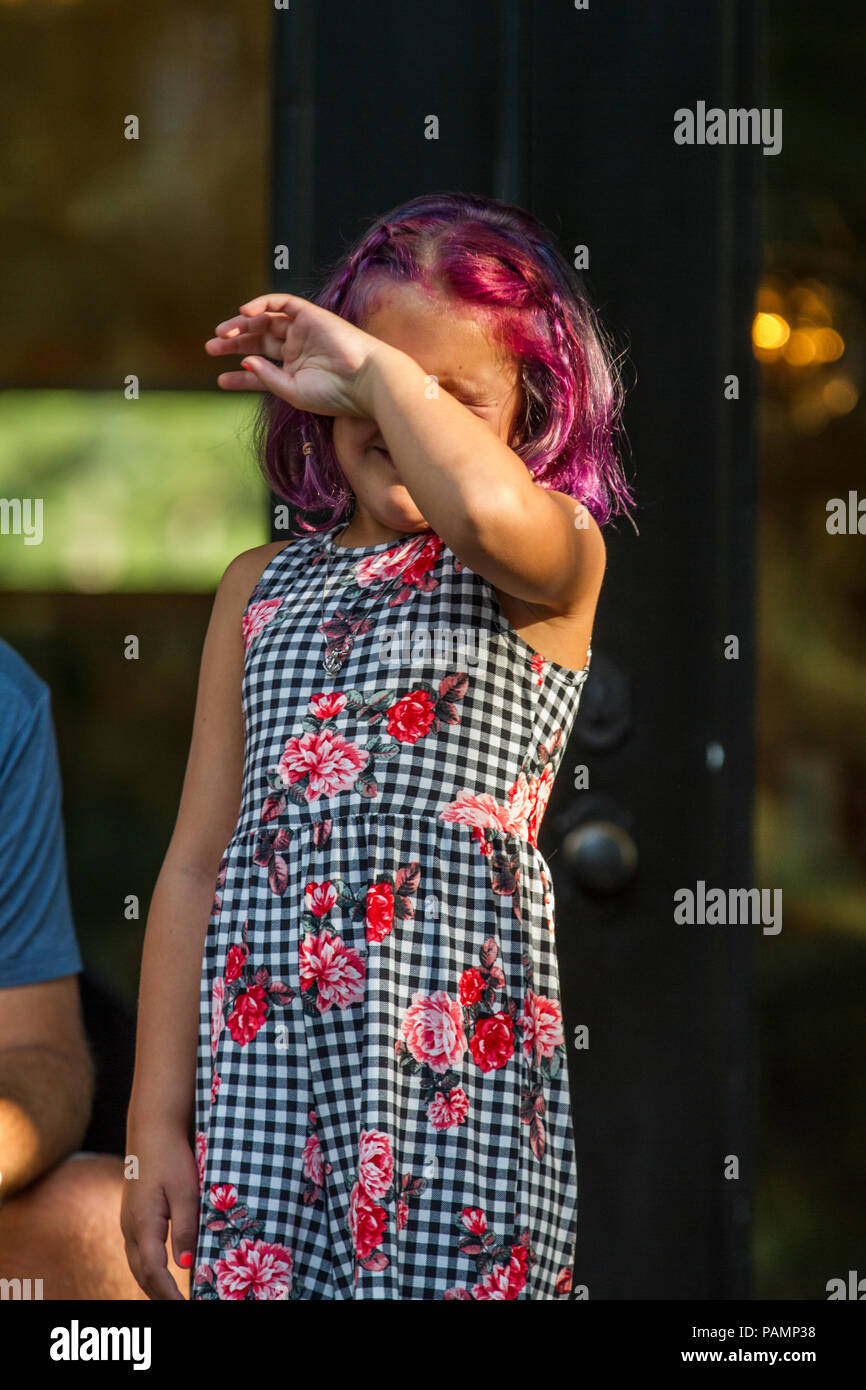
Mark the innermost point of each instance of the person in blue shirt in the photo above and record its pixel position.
(59, 1207)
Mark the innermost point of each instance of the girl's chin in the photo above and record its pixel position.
(396, 504)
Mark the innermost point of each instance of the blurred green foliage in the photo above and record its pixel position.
(151, 494)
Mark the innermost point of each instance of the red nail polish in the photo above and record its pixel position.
(186, 1259)
(247, 368)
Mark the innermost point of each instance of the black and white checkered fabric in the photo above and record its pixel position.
(382, 1103)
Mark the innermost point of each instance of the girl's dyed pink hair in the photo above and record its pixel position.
(499, 260)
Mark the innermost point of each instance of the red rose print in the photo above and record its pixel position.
(503, 1282)
(235, 961)
(433, 1029)
(248, 1014)
(337, 970)
(255, 1268)
(367, 1222)
(223, 1196)
(563, 1280)
(328, 705)
(423, 562)
(375, 1163)
(492, 1043)
(215, 1083)
(411, 717)
(402, 1213)
(413, 560)
(471, 986)
(380, 911)
(319, 898)
(541, 1022)
(329, 761)
(474, 1220)
(444, 1112)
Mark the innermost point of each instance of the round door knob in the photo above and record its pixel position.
(601, 856)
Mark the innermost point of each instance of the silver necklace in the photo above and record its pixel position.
(341, 630)
(334, 655)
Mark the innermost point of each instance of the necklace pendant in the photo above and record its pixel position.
(332, 661)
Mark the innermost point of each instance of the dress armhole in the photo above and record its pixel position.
(261, 582)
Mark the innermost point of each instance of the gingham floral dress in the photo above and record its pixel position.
(382, 1102)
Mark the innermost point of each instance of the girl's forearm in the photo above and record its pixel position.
(460, 475)
(165, 1059)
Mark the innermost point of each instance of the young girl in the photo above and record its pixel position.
(381, 1103)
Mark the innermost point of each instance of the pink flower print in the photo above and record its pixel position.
(257, 616)
(541, 789)
(433, 1029)
(248, 1014)
(444, 1112)
(215, 1083)
(223, 1196)
(375, 1163)
(201, 1156)
(255, 1269)
(527, 801)
(315, 1168)
(402, 1213)
(319, 898)
(483, 812)
(329, 761)
(541, 1022)
(410, 718)
(217, 1019)
(337, 971)
(538, 664)
(379, 911)
(235, 962)
(328, 704)
(366, 1222)
(474, 1219)
(520, 804)
(314, 1164)
(547, 902)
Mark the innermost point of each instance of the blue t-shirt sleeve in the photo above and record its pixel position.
(37, 935)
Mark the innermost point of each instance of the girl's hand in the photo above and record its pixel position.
(167, 1189)
(323, 356)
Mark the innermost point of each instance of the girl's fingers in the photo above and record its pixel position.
(267, 345)
(253, 323)
(240, 381)
(277, 302)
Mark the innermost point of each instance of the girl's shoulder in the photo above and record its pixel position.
(244, 574)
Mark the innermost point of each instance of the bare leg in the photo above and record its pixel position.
(65, 1230)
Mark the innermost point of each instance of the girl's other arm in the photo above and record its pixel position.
(161, 1107)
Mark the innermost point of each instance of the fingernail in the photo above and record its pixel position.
(186, 1259)
(248, 366)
